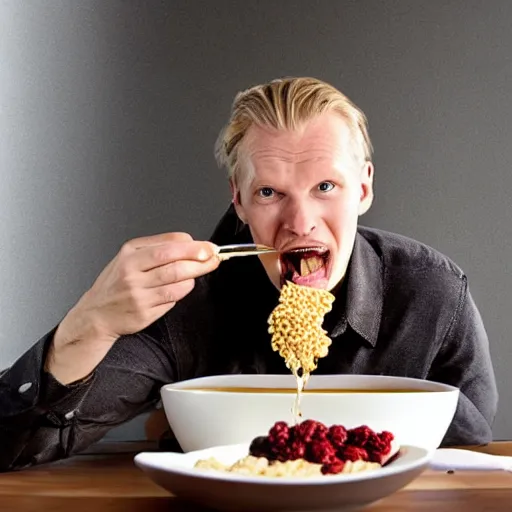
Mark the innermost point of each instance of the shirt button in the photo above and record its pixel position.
(24, 387)
(69, 415)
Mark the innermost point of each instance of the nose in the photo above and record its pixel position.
(299, 219)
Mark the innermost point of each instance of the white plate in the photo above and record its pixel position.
(228, 491)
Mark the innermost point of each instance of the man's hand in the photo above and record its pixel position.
(144, 281)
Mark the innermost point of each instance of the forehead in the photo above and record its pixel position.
(325, 136)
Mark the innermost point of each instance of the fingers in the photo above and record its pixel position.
(179, 271)
(154, 256)
(163, 238)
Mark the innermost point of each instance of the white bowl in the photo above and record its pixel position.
(202, 417)
(243, 493)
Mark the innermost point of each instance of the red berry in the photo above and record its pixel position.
(321, 452)
(380, 446)
(297, 450)
(386, 436)
(386, 439)
(280, 453)
(375, 456)
(311, 430)
(359, 436)
(278, 437)
(279, 432)
(337, 435)
(333, 468)
(352, 453)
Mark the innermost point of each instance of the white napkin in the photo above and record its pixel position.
(452, 459)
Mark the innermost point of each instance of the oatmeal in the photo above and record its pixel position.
(253, 466)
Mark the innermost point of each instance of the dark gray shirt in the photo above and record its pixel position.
(403, 309)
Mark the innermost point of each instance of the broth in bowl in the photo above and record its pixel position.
(226, 389)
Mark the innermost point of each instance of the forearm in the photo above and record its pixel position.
(49, 421)
(77, 347)
(41, 431)
(27, 397)
(57, 434)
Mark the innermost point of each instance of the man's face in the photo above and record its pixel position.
(303, 194)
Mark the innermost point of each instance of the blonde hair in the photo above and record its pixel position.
(284, 104)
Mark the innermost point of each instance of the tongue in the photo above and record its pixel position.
(311, 264)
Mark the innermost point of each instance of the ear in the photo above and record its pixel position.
(366, 184)
(235, 198)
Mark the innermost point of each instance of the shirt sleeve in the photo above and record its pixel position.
(464, 361)
(42, 420)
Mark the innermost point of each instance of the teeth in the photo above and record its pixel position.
(308, 249)
(310, 265)
(314, 263)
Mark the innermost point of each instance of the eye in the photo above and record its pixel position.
(266, 192)
(325, 186)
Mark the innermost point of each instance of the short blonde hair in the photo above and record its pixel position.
(284, 104)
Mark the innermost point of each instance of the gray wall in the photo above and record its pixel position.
(109, 110)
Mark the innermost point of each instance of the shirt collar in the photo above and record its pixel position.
(363, 311)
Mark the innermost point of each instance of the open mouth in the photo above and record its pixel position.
(304, 265)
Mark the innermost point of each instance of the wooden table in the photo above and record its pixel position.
(108, 481)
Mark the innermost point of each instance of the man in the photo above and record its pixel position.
(299, 163)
